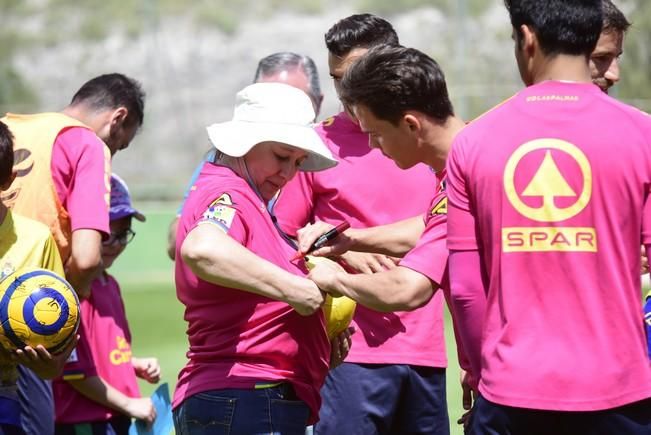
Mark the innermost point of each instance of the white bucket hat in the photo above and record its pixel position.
(272, 112)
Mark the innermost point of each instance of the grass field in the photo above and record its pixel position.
(156, 316)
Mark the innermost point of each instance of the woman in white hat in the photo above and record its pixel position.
(258, 346)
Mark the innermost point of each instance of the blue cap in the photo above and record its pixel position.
(121, 201)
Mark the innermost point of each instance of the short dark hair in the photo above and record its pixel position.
(392, 80)
(359, 31)
(569, 27)
(6, 153)
(614, 19)
(110, 91)
(286, 61)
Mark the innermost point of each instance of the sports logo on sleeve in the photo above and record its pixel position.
(220, 212)
(441, 207)
(543, 193)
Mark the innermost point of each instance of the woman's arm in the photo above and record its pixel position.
(216, 257)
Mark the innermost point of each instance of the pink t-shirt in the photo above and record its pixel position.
(104, 350)
(368, 189)
(430, 255)
(552, 188)
(237, 338)
(80, 170)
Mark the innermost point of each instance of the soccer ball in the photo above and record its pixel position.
(37, 306)
(338, 312)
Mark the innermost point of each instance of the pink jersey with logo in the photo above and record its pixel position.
(368, 189)
(237, 338)
(104, 350)
(80, 173)
(552, 188)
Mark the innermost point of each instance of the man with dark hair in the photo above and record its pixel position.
(400, 98)
(531, 224)
(286, 67)
(359, 31)
(604, 60)
(111, 91)
(63, 167)
(393, 380)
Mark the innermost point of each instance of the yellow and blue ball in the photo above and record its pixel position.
(37, 306)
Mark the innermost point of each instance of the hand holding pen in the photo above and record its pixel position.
(313, 238)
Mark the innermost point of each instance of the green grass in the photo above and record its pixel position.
(156, 317)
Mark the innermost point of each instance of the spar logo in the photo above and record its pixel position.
(544, 195)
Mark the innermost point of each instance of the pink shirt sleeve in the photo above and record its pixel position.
(225, 212)
(430, 255)
(293, 209)
(81, 170)
(462, 355)
(461, 222)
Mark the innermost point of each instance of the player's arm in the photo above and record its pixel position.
(398, 289)
(85, 261)
(87, 204)
(468, 287)
(216, 257)
(98, 390)
(468, 296)
(394, 239)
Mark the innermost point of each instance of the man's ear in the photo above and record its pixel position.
(119, 116)
(529, 40)
(412, 122)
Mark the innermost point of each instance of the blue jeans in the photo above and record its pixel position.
(268, 411)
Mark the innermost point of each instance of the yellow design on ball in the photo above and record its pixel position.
(37, 306)
(338, 312)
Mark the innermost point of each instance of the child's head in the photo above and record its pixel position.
(6, 157)
(120, 215)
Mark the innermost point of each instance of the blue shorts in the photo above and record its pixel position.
(491, 419)
(36, 403)
(369, 399)
(272, 410)
(118, 425)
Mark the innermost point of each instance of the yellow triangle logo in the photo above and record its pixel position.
(224, 199)
(548, 181)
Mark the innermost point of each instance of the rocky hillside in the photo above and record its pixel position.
(192, 68)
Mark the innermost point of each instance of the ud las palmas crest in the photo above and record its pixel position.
(548, 183)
